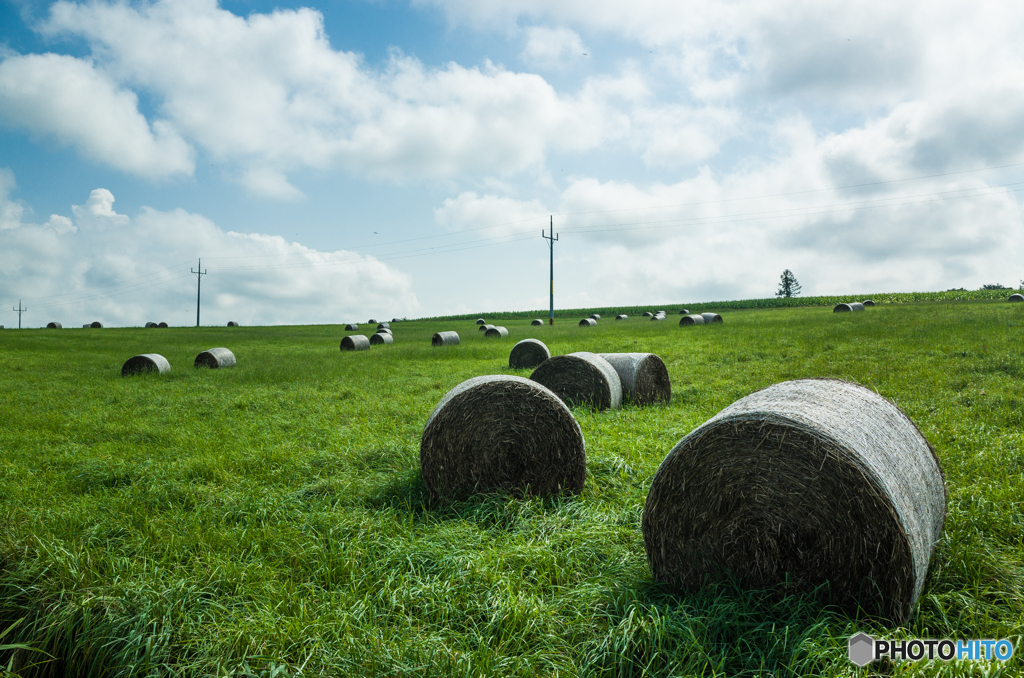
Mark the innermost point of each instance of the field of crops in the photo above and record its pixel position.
(271, 520)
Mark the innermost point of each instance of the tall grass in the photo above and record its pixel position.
(270, 519)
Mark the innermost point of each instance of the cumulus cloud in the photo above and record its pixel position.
(552, 48)
(125, 270)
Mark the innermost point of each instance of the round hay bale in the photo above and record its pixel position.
(162, 326)
(643, 376)
(147, 362)
(152, 325)
(396, 320)
(381, 338)
(528, 353)
(595, 316)
(483, 328)
(581, 379)
(856, 306)
(384, 330)
(868, 302)
(445, 339)
(711, 318)
(232, 323)
(384, 326)
(502, 433)
(683, 311)
(215, 358)
(371, 321)
(691, 320)
(351, 327)
(481, 321)
(802, 483)
(842, 308)
(355, 342)
(536, 321)
(54, 326)
(622, 317)
(1013, 297)
(588, 322)
(648, 314)
(496, 331)
(657, 318)
(96, 325)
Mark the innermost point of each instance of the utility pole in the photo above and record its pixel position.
(199, 286)
(20, 310)
(551, 243)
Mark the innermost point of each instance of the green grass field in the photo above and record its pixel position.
(270, 519)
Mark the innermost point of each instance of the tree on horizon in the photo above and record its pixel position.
(788, 286)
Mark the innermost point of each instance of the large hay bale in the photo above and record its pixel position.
(856, 306)
(496, 331)
(581, 379)
(381, 338)
(54, 326)
(351, 327)
(588, 322)
(481, 321)
(595, 316)
(502, 433)
(1013, 297)
(152, 325)
(802, 483)
(536, 321)
(384, 326)
(355, 342)
(868, 302)
(842, 308)
(711, 318)
(96, 325)
(445, 339)
(232, 323)
(484, 328)
(691, 320)
(643, 376)
(147, 362)
(215, 358)
(528, 353)
(622, 316)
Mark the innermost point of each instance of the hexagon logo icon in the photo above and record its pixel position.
(862, 649)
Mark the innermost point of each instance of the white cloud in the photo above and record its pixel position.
(552, 48)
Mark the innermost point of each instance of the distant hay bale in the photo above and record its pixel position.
(54, 326)
(162, 326)
(215, 358)
(396, 320)
(381, 338)
(147, 362)
(868, 302)
(595, 316)
(581, 379)
(648, 314)
(496, 331)
(384, 326)
(87, 325)
(351, 327)
(502, 433)
(683, 311)
(445, 339)
(711, 318)
(536, 321)
(1013, 297)
(657, 318)
(856, 306)
(481, 321)
(588, 322)
(232, 323)
(643, 376)
(842, 308)
(483, 328)
(355, 342)
(528, 353)
(691, 320)
(384, 330)
(152, 325)
(802, 483)
(371, 321)
(622, 316)
(96, 325)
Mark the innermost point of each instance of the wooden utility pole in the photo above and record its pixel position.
(551, 243)
(20, 310)
(199, 286)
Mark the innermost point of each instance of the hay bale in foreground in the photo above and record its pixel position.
(502, 433)
(868, 302)
(711, 318)
(581, 379)
(856, 306)
(232, 323)
(163, 326)
(1013, 297)
(481, 321)
(484, 328)
(351, 327)
(215, 358)
(96, 325)
(152, 325)
(496, 331)
(801, 483)
(445, 339)
(691, 320)
(622, 316)
(842, 308)
(536, 321)
(643, 376)
(381, 339)
(147, 362)
(528, 353)
(54, 326)
(588, 322)
(355, 342)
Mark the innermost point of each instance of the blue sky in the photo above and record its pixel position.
(360, 159)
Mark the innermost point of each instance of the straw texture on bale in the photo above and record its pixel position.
(643, 376)
(381, 338)
(536, 321)
(54, 326)
(483, 328)
(481, 321)
(856, 306)
(162, 325)
(528, 353)
(445, 339)
(581, 379)
(384, 326)
(711, 318)
(648, 314)
(595, 316)
(232, 323)
(1017, 297)
(96, 325)
(152, 325)
(351, 327)
(147, 362)
(842, 308)
(215, 358)
(588, 322)
(502, 433)
(868, 302)
(355, 342)
(496, 331)
(691, 320)
(802, 483)
(622, 316)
